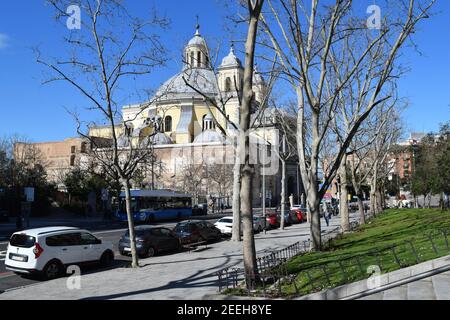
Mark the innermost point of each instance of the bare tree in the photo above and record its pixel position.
(309, 48)
(102, 57)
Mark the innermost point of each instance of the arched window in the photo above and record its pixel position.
(199, 59)
(72, 160)
(203, 123)
(227, 84)
(192, 59)
(168, 124)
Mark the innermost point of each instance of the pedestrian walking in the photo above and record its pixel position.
(326, 214)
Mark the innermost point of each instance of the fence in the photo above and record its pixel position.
(269, 266)
(276, 280)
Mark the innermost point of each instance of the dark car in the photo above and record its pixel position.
(194, 231)
(199, 210)
(295, 217)
(150, 241)
(287, 219)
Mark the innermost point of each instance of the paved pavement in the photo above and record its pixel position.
(185, 275)
(434, 288)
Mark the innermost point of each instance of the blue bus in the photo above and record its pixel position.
(155, 205)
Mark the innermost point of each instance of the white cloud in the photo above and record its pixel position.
(4, 40)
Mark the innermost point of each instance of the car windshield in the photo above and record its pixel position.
(226, 220)
(22, 241)
(138, 232)
(182, 227)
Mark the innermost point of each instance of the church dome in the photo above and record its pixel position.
(209, 136)
(158, 139)
(197, 40)
(204, 80)
(231, 60)
(161, 138)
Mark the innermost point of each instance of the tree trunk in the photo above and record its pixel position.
(373, 191)
(379, 202)
(283, 193)
(343, 201)
(314, 213)
(249, 250)
(134, 257)
(236, 232)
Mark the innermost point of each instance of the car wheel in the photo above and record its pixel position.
(106, 259)
(150, 252)
(260, 229)
(52, 270)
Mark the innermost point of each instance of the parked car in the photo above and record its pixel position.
(294, 218)
(48, 251)
(194, 231)
(259, 224)
(225, 225)
(199, 210)
(150, 241)
(287, 218)
(301, 212)
(272, 220)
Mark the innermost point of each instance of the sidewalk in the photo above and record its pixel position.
(185, 275)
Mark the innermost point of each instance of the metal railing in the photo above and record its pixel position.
(271, 266)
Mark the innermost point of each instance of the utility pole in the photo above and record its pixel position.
(264, 181)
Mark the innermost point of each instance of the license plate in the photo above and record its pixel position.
(17, 258)
(126, 249)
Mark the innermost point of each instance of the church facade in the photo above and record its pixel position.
(196, 118)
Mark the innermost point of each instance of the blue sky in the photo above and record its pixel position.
(39, 111)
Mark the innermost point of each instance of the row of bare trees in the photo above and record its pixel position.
(341, 74)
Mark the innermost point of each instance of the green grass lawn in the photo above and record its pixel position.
(349, 256)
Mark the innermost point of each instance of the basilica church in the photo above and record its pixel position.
(193, 120)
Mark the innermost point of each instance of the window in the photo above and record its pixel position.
(165, 232)
(63, 240)
(72, 149)
(83, 147)
(168, 124)
(72, 160)
(192, 58)
(22, 241)
(87, 238)
(203, 123)
(199, 59)
(227, 84)
(269, 150)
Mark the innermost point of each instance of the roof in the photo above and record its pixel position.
(209, 136)
(45, 230)
(231, 60)
(156, 193)
(204, 80)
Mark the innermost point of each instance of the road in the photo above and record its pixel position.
(9, 280)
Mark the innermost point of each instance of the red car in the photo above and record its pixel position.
(300, 214)
(272, 220)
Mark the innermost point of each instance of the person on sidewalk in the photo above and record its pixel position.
(326, 214)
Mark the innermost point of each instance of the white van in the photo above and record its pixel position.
(48, 251)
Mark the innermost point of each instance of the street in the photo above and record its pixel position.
(9, 280)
